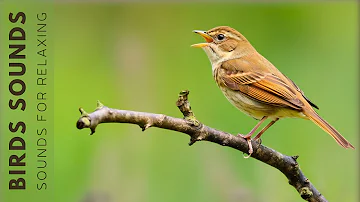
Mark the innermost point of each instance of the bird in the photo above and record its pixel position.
(255, 86)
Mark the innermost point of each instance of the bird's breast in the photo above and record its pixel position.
(247, 105)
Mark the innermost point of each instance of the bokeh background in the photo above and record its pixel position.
(137, 56)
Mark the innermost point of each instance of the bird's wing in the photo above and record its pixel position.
(302, 93)
(264, 87)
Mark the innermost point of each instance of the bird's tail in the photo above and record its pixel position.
(313, 116)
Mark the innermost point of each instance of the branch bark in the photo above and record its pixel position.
(200, 132)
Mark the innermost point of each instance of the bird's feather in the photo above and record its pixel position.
(263, 87)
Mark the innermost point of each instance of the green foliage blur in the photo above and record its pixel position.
(138, 57)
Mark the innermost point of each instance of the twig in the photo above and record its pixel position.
(199, 132)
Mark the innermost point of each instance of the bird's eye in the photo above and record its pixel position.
(220, 37)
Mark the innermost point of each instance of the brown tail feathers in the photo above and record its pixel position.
(329, 129)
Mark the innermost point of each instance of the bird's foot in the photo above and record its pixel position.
(248, 139)
(244, 136)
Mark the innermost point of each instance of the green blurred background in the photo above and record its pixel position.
(137, 56)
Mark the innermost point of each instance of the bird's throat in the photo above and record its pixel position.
(212, 54)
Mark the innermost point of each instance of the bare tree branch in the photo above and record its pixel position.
(200, 132)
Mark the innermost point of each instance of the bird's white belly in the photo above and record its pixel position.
(257, 109)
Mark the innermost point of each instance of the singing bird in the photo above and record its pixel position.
(255, 86)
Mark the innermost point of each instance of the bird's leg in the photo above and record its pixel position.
(248, 136)
(254, 129)
(265, 128)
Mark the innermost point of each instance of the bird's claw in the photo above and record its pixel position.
(250, 148)
(248, 139)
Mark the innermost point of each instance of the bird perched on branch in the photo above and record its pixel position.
(255, 86)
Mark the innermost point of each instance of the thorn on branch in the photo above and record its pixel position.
(83, 112)
(92, 130)
(197, 137)
(295, 163)
(193, 140)
(146, 126)
(295, 157)
(99, 105)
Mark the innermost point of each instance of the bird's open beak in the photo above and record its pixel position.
(208, 39)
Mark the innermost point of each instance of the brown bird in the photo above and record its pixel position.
(255, 86)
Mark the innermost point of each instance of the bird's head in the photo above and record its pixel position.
(221, 42)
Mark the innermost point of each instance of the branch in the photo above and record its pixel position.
(200, 132)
